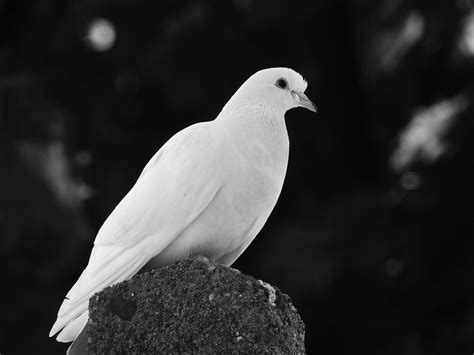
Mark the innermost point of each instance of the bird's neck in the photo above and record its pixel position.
(258, 131)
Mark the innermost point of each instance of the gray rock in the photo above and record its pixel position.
(194, 306)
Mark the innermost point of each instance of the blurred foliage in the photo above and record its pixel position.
(373, 234)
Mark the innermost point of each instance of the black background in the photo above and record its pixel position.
(377, 256)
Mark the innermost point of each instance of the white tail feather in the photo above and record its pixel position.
(108, 265)
(73, 328)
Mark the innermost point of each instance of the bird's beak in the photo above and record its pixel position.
(303, 101)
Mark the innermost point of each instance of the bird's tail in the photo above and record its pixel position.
(73, 328)
(107, 265)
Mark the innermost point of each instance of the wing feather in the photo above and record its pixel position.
(174, 188)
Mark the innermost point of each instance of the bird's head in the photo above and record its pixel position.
(277, 89)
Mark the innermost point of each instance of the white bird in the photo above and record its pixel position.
(209, 190)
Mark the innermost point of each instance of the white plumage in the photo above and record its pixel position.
(209, 190)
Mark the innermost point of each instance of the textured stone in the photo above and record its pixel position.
(194, 306)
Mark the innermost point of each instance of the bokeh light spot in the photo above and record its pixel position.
(467, 37)
(101, 35)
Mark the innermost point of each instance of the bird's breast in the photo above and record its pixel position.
(252, 172)
(258, 163)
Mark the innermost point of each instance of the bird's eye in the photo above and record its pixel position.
(282, 83)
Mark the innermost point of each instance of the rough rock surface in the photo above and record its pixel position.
(194, 306)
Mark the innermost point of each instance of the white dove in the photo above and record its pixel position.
(209, 190)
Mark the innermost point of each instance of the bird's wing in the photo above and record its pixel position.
(175, 187)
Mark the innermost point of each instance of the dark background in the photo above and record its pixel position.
(373, 234)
